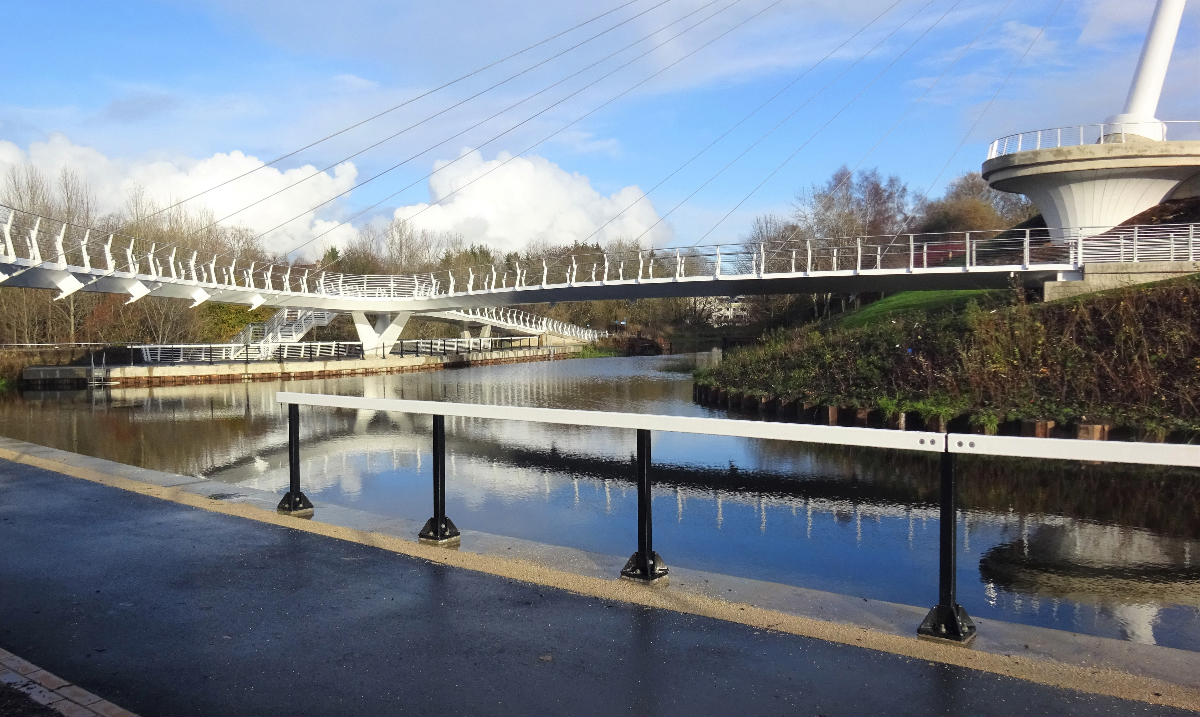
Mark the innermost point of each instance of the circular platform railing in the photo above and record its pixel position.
(1103, 133)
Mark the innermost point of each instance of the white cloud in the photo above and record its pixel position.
(166, 181)
(509, 203)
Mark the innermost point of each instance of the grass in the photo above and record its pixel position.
(910, 301)
(594, 351)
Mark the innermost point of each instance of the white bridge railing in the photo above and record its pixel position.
(1102, 133)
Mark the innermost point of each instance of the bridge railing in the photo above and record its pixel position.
(1100, 133)
(946, 620)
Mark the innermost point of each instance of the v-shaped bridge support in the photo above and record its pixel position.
(379, 332)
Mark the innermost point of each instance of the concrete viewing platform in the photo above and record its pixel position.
(170, 594)
(178, 374)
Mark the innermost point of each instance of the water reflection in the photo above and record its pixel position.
(1096, 549)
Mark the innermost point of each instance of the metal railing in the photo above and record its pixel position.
(1101, 133)
(313, 350)
(947, 620)
(213, 353)
(1162, 242)
(445, 347)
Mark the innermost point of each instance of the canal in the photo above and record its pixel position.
(1098, 549)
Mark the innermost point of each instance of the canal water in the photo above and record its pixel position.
(1099, 549)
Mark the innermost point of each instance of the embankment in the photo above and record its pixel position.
(1124, 362)
(66, 377)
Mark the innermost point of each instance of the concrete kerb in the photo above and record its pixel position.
(1056, 658)
(49, 689)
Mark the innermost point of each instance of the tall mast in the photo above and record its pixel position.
(1146, 88)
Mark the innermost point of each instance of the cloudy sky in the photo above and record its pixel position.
(716, 109)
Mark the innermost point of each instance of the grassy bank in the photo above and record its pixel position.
(1129, 358)
(598, 351)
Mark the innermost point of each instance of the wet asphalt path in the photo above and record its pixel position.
(166, 609)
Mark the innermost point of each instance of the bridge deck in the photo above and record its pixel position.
(166, 608)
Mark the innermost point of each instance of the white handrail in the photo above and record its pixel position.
(906, 440)
(1099, 133)
(926, 441)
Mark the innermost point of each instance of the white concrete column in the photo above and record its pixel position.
(1146, 88)
(379, 333)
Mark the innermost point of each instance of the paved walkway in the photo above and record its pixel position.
(168, 609)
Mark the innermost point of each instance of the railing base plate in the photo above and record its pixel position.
(449, 534)
(949, 626)
(633, 571)
(296, 505)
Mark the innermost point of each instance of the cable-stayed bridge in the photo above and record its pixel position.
(43, 252)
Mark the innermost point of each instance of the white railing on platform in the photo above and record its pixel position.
(1101, 133)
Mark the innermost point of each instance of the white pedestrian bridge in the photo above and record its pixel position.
(40, 252)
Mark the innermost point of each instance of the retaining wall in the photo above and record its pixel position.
(65, 377)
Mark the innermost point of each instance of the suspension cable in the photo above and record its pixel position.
(547, 137)
(837, 114)
(180, 243)
(761, 138)
(899, 120)
(448, 108)
(389, 110)
(742, 121)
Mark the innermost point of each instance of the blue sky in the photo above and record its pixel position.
(174, 97)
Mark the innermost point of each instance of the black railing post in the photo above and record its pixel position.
(294, 502)
(947, 620)
(645, 565)
(439, 529)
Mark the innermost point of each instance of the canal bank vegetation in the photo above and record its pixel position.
(1125, 361)
(1128, 358)
(599, 350)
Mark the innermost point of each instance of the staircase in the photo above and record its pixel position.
(287, 326)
